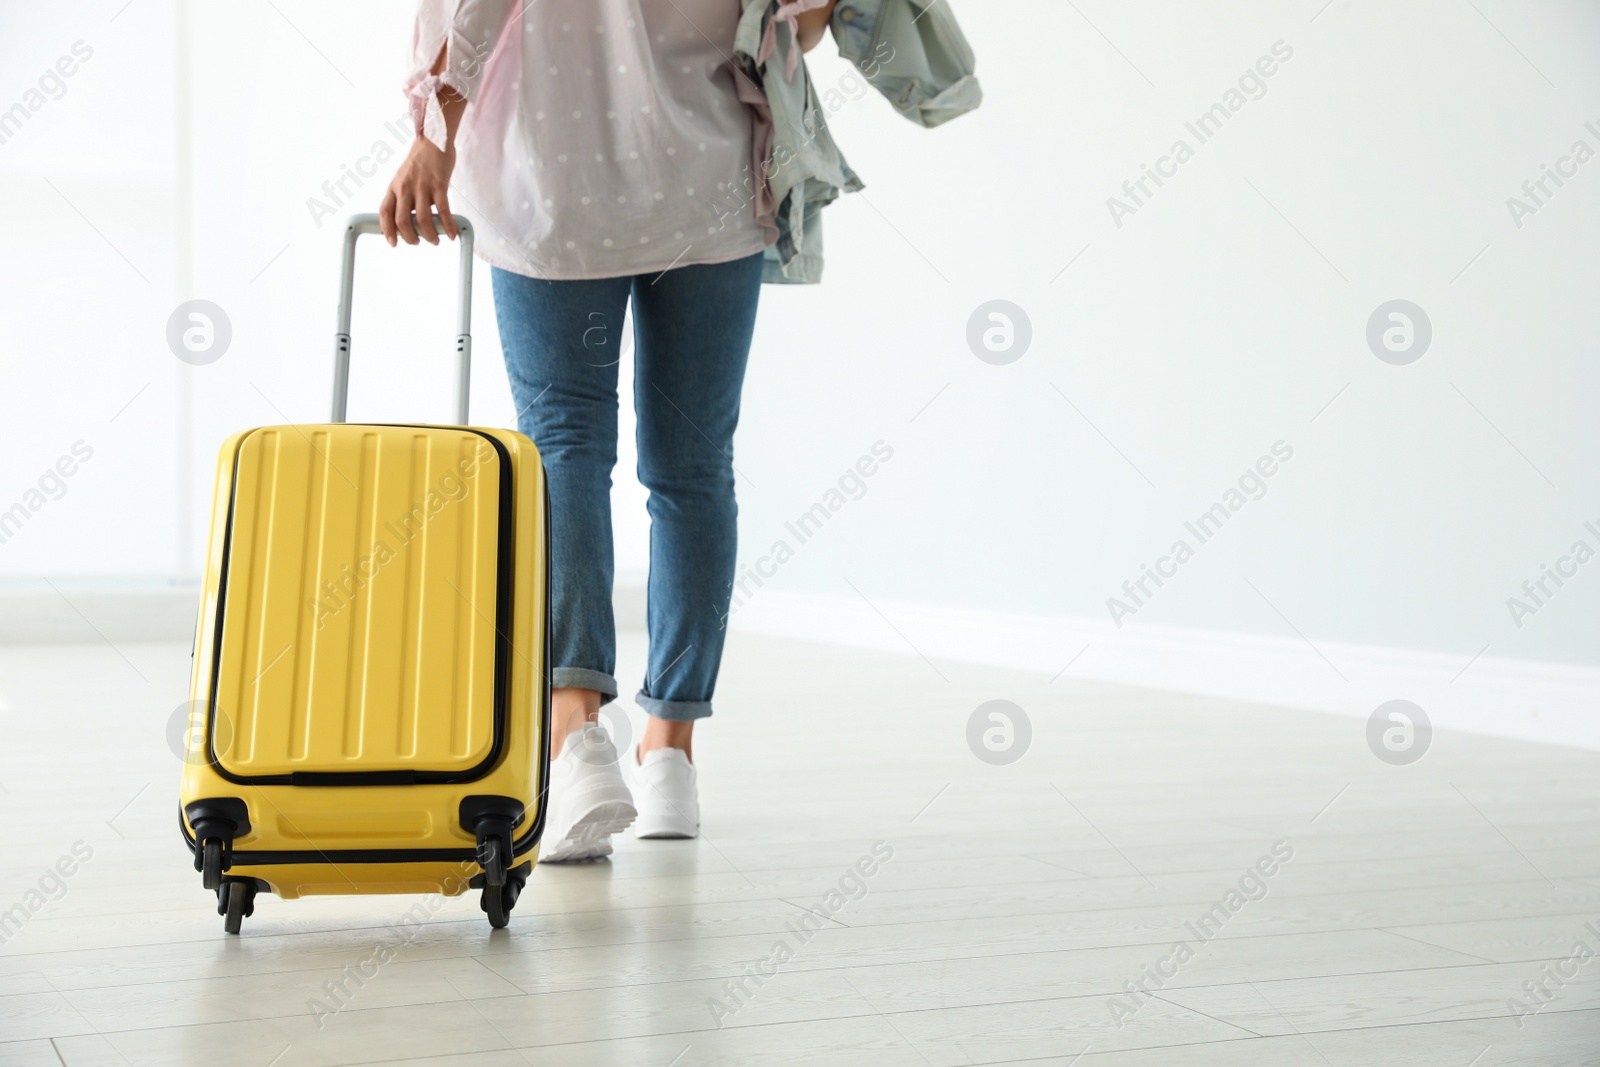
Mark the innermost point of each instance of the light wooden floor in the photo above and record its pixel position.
(1018, 899)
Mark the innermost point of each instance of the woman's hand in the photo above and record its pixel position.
(811, 25)
(420, 186)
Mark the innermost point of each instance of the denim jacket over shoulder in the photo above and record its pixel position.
(911, 51)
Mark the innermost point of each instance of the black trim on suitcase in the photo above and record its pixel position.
(520, 847)
(504, 595)
(369, 855)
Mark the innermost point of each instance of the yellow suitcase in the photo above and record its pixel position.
(369, 706)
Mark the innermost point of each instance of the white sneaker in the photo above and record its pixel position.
(589, 801)
(664, 785)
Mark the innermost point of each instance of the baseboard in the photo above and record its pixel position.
(64, 611)
(1555, 703)
(70, 611)
(1534, 701)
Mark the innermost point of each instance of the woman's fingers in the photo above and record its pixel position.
(424, 209)
(442, 198)
(402, 216)
(386, 212)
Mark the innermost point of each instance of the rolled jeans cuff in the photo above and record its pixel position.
(673, 710)
(581, 678)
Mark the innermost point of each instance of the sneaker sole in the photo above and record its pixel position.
(590, 837)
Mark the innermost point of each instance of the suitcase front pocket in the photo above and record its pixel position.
(364, 602)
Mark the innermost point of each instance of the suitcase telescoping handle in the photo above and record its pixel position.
(362, 224)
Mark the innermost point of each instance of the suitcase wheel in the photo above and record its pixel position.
(492, 821)
(498, 900)
(492, 860)
(211, 864)
(236, 900)
(494, 902)
(217, 821)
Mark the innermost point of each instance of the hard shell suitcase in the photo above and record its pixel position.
(370, 702)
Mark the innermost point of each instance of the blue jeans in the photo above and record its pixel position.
(562, 341)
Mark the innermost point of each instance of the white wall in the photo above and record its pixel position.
(1205, 328)
(1210, 325)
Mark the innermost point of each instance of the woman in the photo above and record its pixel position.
(606, 155)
